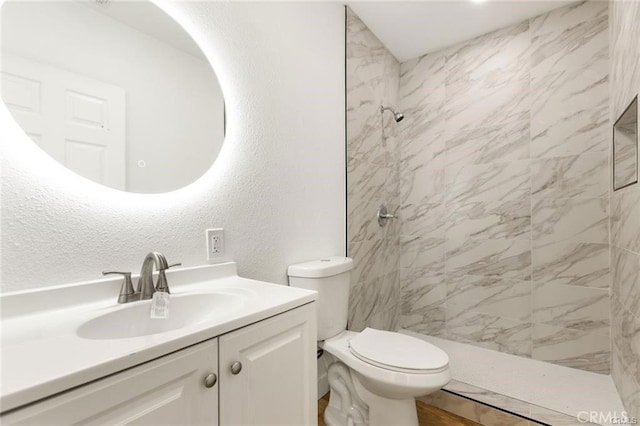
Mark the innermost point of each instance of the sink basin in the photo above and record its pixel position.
(132, 320)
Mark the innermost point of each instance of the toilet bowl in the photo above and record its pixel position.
(378, 374)
(388, 370)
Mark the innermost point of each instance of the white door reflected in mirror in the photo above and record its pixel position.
(116, 91)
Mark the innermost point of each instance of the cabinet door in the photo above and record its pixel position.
(166, 391)
(277, 382)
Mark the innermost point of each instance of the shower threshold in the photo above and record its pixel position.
(529, 389)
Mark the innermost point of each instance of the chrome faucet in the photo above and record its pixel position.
(145, 288)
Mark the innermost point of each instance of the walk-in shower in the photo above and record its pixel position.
(508, 241)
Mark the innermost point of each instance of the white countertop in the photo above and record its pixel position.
(41, 353)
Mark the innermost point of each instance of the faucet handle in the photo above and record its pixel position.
(116, 272)
(162, 284)
(126, 291)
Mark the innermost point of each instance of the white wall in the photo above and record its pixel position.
(173, 100)
(277, 187)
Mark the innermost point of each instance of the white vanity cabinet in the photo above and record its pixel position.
(268, 371)
(166, 391)
(275, 385)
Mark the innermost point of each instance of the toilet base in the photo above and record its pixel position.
(345, 406)
(385, 411)
(350, 404)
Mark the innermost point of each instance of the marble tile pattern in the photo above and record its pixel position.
(624, 71)
(627, 386)
(489, 331)
(569, 81)
(576, 176)
(500, 175)
(572, 347)
(503, 190)
(372, 179)
(571, 242)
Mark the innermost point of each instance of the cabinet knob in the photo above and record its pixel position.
(210, 380)
(236, 367)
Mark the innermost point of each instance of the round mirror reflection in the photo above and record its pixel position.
(116, 91)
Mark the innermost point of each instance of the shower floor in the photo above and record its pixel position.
(538, 390)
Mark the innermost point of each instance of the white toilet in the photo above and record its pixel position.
(379, 373)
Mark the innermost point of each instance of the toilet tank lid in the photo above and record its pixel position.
(321, 268)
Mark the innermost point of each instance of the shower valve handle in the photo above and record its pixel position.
(384, 216)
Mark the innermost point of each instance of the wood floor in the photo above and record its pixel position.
(427, 415)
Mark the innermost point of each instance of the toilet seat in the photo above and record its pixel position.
(398, 352)
(385, 381)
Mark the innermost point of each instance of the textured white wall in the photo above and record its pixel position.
(278, 186)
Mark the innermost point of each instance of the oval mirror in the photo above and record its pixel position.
(116, 91)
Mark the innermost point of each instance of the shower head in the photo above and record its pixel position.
(398, 116)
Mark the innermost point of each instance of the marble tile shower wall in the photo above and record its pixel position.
(625, 213)
(372, 179)
(504, 206)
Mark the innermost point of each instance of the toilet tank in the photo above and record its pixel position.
(330, 278)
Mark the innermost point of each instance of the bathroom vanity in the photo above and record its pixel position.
(249, 359)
